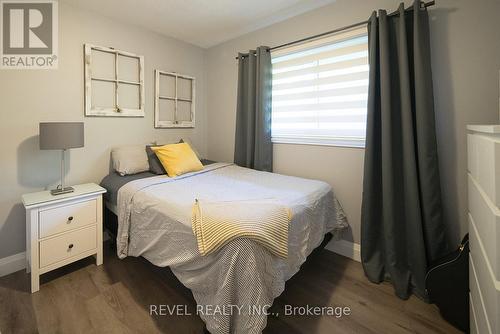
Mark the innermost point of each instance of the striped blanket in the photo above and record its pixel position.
(155, 221)
(264, 221)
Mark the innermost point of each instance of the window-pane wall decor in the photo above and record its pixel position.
(114, 82)
(320, 91)
(174, 100)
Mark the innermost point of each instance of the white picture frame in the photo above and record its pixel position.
(181, 117)
(114, 82)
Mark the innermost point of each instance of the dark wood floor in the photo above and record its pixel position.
(115, 298)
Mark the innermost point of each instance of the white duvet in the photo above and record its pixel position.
(154, 221)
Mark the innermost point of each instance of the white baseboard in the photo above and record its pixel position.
(13, 263)
(16, 262)
(345, 248)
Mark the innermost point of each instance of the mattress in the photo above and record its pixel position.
(154, 216)
(114, 181)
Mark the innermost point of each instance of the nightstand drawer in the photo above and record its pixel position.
(68, 217)
(67, 245)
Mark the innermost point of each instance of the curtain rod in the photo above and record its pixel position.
(423, 5)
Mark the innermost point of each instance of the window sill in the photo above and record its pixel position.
(338, 142)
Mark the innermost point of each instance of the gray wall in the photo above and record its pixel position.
(28, 97)
(466, 64)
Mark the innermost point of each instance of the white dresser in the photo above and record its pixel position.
(483, 143)
(62, 229)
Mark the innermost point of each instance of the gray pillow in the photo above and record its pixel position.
(155, 165)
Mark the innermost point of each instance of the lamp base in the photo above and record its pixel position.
(60, 191)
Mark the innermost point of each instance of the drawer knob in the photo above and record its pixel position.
(70, 218)
(70, 246)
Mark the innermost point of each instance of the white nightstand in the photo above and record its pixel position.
(62, 229)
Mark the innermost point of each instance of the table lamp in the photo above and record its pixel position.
(61, 136)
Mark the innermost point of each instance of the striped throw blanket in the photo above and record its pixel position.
(216, 223)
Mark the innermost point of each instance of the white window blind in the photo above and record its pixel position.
(320, 91)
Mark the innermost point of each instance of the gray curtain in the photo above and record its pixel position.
(402, 229)
(253, 147)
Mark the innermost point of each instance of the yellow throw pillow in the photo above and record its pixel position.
(178, 159)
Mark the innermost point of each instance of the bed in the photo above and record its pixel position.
(242, 278)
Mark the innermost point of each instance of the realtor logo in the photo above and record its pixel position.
(29, 34)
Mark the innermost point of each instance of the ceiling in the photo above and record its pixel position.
(201, 22)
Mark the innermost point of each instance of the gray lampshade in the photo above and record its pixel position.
(61, 135)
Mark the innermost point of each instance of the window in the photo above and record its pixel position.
(114, 82)
(174, 100)
(320, 91)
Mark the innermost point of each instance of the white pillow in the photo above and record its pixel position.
(130, 159)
